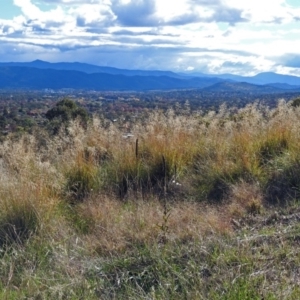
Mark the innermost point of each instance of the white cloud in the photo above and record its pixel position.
(273, 11)
(32, 12)
(190, 68)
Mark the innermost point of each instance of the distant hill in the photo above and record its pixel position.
(260, 79)
(284, 86)
(35, 78)
(88, 68)
(40, 74)
(229, 86)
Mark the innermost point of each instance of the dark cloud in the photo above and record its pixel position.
(93, 26)
(222, 13)
(135, 13)
(5, 29)
(40, 30)
(80, 21)
(73, 2)
(220, 50)
(141, 41)
(36, 27)
(184, 19)
(278, 20)
(290, 60)
(237, 67)
(106, 19)
(97, 30)
(147, 32)
(227, 33)
(142, 13)
(206, 2)
(47, 25)
(11, 34)
(275, 20)
(228, 15)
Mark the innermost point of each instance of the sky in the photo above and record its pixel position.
(242, 37)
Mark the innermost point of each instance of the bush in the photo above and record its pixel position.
(272, 148)
(149, 175)
(296, 102)
(82, 180)
(63, 112)
(17, 225)
(284, 185)
(212, 182)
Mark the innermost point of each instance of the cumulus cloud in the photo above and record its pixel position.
(32, 12)
(93, 15)
(266, 11)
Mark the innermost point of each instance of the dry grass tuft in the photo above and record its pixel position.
(118, 226)
(245, 198)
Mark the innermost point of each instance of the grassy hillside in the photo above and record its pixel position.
(189, 206)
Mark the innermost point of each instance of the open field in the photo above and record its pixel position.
(176, 206)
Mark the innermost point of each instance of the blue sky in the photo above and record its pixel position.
(211, 36)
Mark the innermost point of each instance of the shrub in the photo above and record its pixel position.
(271, 148)
(212, 182)
(17, 225)
(296, 102)
(146, 175)
(125, 178)
(82, 180)
(63, 112)
(284, 184)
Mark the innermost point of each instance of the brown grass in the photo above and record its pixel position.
(230, 155)
(117, 226)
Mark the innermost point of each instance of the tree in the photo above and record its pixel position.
(65, 111)
(296, 102)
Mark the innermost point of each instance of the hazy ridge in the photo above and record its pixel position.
(41, 75)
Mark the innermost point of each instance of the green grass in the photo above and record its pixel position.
(258, 262)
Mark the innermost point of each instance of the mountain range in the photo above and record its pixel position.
(42, 75)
